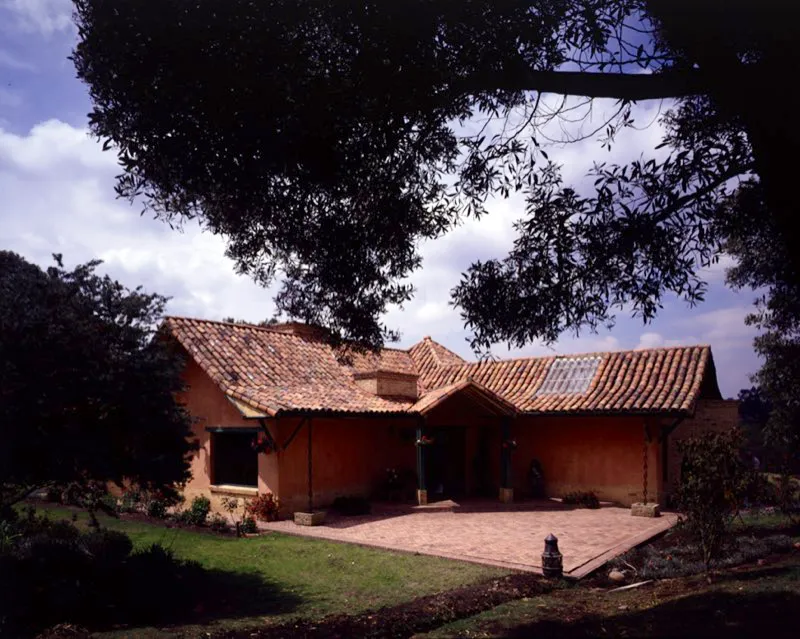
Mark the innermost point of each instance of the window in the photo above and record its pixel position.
(234, 460)
(569, 376)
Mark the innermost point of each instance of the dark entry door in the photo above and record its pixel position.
(445, 463)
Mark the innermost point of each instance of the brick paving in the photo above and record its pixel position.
(510, 536)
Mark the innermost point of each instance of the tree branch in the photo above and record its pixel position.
(620, 86)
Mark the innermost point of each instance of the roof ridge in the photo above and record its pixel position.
(268, 329)
(524, 358)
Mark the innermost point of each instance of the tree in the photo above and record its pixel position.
(763, 262)
(87, 394)
(714, 483)
(325, 140)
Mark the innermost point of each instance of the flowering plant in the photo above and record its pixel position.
(510, 444)
(261, 444)
(424, 441)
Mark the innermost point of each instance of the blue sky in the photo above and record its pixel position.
(56, 196)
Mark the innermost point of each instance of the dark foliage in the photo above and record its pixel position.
(248, 525)
(53, 573)
(715, 483)
(87, 392)
(586, 499)
(351, 505)
(326, 143)
(764, 254)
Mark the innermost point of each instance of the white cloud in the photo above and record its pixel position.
(38, 16)
(57, 197)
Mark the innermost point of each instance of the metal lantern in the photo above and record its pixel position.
(552, 564)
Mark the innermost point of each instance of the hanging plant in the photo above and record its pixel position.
(261, 444)
(424, 441)
(510, 444)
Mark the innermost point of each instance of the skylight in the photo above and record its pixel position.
(569, 376)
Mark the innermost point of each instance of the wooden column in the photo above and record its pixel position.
(422, 491)
(506, 485)
(310, 470)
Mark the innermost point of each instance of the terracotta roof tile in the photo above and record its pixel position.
(275, 372)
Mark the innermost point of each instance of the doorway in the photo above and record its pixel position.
(445, 463)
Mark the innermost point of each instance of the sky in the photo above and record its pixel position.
(56, 196)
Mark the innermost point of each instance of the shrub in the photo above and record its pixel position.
(197, 513)
(351, 506)
(157, 508)
(587, 499)
(249, 526)
(715, 481)
(218, 523)
(131, 501)
(52, 573)
(264, 507)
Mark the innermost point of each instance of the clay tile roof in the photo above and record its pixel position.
(430, 357)
(275, 372)
(479, 394)
(653, 380)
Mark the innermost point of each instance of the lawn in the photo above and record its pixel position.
(279, 577)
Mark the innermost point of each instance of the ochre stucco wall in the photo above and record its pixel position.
(209, 406)
(349, 457)
(602, 454)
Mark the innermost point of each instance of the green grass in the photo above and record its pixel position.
(317, 577)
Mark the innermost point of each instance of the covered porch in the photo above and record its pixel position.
(464, 444)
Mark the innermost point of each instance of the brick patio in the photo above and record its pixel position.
(510, 536)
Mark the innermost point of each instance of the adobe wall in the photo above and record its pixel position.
(209, 406)
(349, 457)
(601, 454)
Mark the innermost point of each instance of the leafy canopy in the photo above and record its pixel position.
(326, 139)
(86, 392)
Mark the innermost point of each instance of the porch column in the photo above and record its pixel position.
(506, 484)
(422, 491)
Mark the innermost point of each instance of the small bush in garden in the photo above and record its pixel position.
(218, 523)
(264, 507)
(157, 508)
(197, 513)
(351, 506)
(715, 482)
(233, 506)
(249, 526)
(587, 499)
(131, 501)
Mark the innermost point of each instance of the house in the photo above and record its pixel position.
(605, 422)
